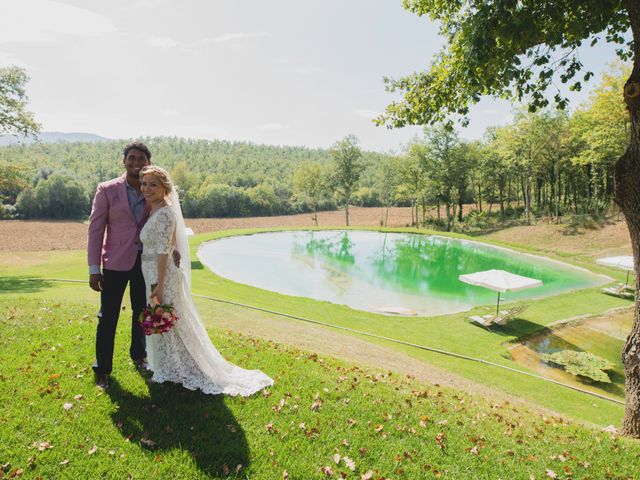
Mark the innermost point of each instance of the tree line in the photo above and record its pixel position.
(547, 163)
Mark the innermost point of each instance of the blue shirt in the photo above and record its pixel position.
(136, 202)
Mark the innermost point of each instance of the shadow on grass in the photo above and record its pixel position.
(176, 418)
(23, 284)
(516, 327)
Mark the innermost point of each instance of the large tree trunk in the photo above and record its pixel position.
(627, 179)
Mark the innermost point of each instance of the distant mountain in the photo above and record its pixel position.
(52, 137)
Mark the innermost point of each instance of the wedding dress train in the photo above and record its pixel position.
(185, 353)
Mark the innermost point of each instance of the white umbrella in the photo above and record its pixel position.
(500, 281)
(624, 262)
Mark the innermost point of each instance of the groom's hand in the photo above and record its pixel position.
(95, 281)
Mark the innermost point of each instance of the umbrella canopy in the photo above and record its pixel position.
(500, 281)
(625, 262)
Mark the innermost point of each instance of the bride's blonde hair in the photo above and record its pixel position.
(161, 174)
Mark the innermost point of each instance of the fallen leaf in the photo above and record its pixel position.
(351, 465)
(551, 473)
(327, 471)
(336, 458)
(42, 446)
(317, 403)
(64, 462)
(147, 442)
(440, 440)
(92, 450)
(367, 476)
(67, 406)
(285, 475)
(474, 450)
(79, 397)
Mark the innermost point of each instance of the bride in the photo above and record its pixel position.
(185, 353)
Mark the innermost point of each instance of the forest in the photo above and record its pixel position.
(547, 163)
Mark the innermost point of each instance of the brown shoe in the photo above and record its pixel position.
(102, 381)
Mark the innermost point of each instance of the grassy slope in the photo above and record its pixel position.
(391, 426)
(434, 332)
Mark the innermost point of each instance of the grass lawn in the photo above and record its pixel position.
(322, 418)
(450, 332)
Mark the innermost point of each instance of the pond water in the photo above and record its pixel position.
(370, 270)
(603, 336)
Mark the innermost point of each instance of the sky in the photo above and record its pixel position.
(279, 72)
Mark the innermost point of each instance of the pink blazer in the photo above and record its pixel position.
(114, 235)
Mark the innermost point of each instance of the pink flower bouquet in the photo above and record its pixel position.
(157, 319)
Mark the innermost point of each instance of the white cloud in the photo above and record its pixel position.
(273, 127)
(228, 37)
(162, 42)
(47, 20)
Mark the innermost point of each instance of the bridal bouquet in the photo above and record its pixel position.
(157, 319)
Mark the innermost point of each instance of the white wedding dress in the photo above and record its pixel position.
(185, 353)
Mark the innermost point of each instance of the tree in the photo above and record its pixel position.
(59, 196)
(386, 182)
(12, 182)
(346, 169)
(446, 167)
(519, 49)
(14, 119)
(601, 129)
(310, 182)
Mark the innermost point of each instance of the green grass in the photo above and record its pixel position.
(449, 332)
(55, 423)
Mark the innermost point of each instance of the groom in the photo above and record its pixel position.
(119, 210)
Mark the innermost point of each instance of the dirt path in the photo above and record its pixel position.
(330, 342)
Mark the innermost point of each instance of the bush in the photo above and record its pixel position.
(59, 196)
(7, 212)
(365, 197)
(582, 364)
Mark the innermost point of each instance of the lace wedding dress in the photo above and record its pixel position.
(185, 353)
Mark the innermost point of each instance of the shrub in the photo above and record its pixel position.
(582, 364)
(57, 196)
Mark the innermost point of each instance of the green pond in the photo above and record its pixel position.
(378, 271)
(602, 336)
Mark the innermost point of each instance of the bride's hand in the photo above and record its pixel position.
(156, 295)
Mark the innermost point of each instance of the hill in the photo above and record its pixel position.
(322, 418)
(51, 137)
